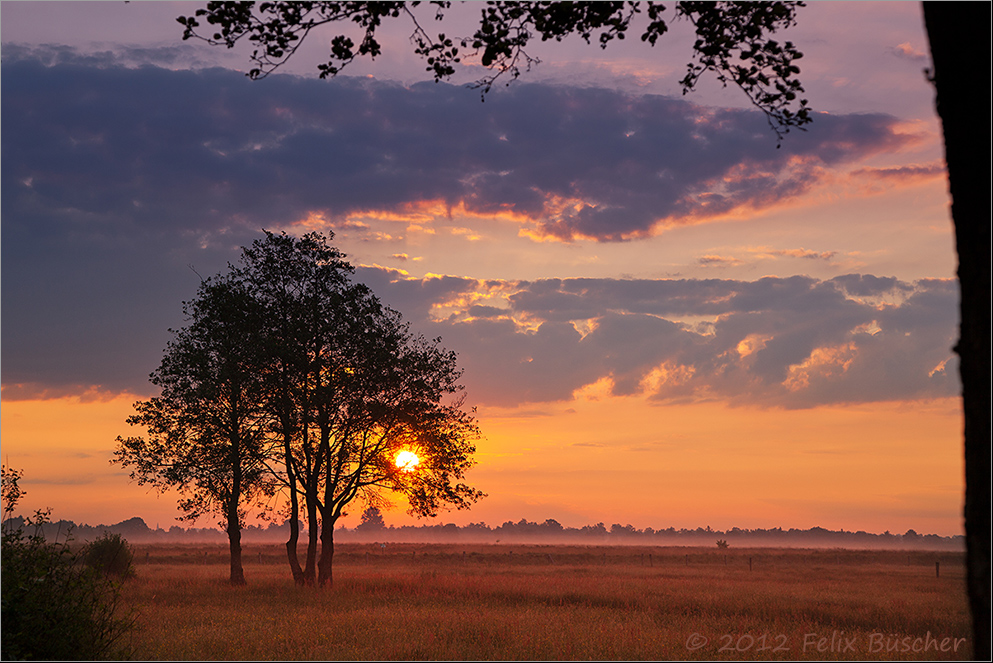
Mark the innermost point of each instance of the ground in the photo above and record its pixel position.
(451, 601)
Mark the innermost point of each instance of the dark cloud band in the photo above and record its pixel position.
(209, 149)
(116, 179)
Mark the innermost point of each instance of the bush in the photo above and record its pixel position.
(54, 607)
(110, 555)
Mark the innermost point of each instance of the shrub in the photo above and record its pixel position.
(54, 607)
(111, 555)
(722, 544)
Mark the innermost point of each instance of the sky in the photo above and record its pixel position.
(663, 319)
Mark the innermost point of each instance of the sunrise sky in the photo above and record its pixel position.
(663, 319)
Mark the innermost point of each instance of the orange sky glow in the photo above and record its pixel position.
(889, 466)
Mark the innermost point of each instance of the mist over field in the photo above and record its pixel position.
(547, 533)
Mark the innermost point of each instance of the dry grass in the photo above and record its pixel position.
(417, 601)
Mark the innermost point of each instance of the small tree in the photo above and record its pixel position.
(372, 521)
(205, 431)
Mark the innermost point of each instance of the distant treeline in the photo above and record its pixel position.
(523, 531)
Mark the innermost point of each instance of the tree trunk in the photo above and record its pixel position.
(234, 545)
(313, 531)
(234, 522)
(291, 545)
(324, 578)
(959, 34)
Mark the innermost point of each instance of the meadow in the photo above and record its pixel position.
(489, 602)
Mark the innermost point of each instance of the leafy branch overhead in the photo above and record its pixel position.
(733, 40)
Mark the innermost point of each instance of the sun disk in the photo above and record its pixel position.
(407, 461)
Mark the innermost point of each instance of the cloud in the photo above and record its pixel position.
(212, 150)
(719, 261)
(805, 253)
(122, 185)
(910, 174)
(482, 311)
(792, 342)
(752, 255)
(906, 51)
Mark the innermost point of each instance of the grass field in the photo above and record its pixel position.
(421, 601)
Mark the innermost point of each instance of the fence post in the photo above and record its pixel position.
(937, 569)
(687, 560)
(749, 563)
(650, 560)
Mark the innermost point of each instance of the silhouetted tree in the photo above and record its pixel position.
(206, 430)
(348, 387)
(734, 43)
(619, 530)
(372, 521)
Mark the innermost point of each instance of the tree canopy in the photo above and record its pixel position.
(206, 430)
(292, 381)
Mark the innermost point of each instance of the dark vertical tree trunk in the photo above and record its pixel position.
(291, 544)
(234, 545)
(324, 567)
(313, 532)
(234, 500)
(328, 514)
(959, 33)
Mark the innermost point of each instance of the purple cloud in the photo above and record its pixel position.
(791, 342)
(117, 180)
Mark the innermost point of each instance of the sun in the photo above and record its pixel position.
(407, 461)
